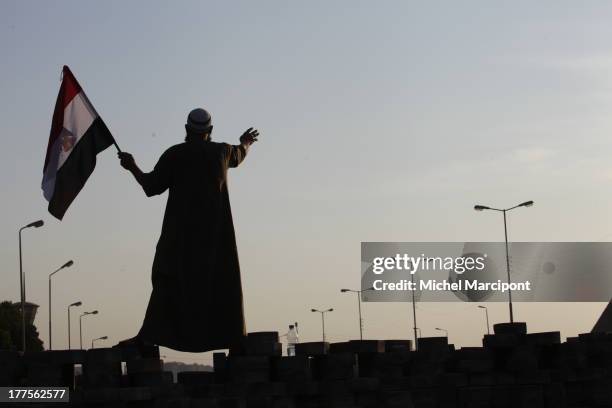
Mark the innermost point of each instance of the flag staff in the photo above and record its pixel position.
(116, 145)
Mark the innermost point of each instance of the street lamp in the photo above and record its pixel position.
(35, 224)
(99, 338)
(504, 211)
(81, 325)
(414, 314)
(444, 330)
(66, 265)
(414, 319)
(322, 318)
(358, 292)
(487, 317)
(75, 304)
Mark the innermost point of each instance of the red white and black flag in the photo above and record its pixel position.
(78, 134)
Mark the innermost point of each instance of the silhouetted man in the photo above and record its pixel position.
(196, 303)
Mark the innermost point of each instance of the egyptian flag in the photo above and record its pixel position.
(78, 134)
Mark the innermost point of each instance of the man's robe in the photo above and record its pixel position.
(196, 303)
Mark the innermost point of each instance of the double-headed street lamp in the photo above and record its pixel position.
(358, 292)
(504, 211)
(75, 304)
(81, 325)
(322, 318)
(99, 338)
(443, 330)
(66, 265)
(35, 224)
(487, 317)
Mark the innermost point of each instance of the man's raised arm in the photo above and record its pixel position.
(238, 153)
(153, 183)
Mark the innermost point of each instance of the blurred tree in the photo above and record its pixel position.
(10, 330)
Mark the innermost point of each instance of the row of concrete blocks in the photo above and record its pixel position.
(510, 350)
(102, 367)
(99, 367)
(350, 393)
(509, 341)
(267, 344)
(507, 335)
(519, 368)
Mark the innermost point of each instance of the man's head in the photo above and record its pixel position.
(199, 125)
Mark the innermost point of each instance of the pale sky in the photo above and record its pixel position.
(380, 121)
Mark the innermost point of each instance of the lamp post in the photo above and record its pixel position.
(414, 319)
(35, 224)
(322, 318)
(81, 325)
(99, 338)
(444, 330)
(504, 211)
(358, 292)
(414, 314)
(487, 317)
(66, 265)
(75, 304)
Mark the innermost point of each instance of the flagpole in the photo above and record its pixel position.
(116, 145)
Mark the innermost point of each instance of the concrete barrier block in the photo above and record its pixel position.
(263, 337)
(340, 347)
(203, 402)
(291, 368)
(522, 359)
(102, 356)
(55, 357)
(543, 338)
(314, 348)
(196, 377)
(383, 365)
(145, 365)
(220, 366)
(172, 402)
(303, 388)
(101, 395)
(266, 389)
(476, 396)
(555, 396)
(334, 366)
(264, 349)
(516, 328)
(231, 402)
(364, 384)
(135, 394)
(397, 399)
(527, 396)
(367, 346)
(40, 374)
(101, 375)
(249, 368)
(433, 345)
(475, 366)
(151, 379)
(482, 379)
(501, 341)
(398, 346)
(450, 380)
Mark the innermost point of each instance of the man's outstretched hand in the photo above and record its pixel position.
(249, 137)
(127, 161)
